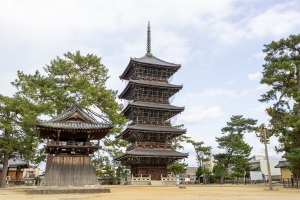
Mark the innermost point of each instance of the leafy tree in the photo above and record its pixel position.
(217, 170)
(200, 171)
(203, 154)
(17, 132)
(177, 142)
(294, 159)
(73, 78)
(177, 168)
(237, 152)
(282, 74)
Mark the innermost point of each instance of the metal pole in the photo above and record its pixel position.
(203, 170)
(245, 176)
(267, 157)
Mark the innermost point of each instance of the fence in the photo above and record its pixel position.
(291, 183)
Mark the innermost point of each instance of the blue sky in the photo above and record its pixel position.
(218, 43)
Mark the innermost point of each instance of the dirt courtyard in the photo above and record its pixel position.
(166, 192)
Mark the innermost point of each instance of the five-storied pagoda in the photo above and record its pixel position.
(70, 140)
(148, 93)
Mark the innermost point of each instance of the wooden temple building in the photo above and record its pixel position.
(148, 94)
(71, 139)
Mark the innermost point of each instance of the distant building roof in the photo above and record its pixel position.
(15, 162)
(282, 164)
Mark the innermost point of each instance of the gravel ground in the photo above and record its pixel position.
(191, 192)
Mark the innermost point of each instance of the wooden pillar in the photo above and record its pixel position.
(58, 137)
(88, 138)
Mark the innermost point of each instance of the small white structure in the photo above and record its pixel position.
(262, 165)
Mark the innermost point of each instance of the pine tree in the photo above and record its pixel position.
(282, 74)
(73, 78)
(237, 152)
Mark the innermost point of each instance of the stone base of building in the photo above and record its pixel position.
(69, 170)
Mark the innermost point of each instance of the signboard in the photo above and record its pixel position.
(187, 179)
(177, 179)
(256, 176)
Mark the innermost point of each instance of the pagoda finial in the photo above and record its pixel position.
(149, 40)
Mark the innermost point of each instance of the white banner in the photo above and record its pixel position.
(256, 176)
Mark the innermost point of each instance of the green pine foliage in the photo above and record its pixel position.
(237, 151)
(17, 132)
(74, 77)
(281, 73)
(177, 168)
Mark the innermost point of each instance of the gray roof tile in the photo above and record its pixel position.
(155, 61)
(153, 152)
(60, 120)
(154, 105)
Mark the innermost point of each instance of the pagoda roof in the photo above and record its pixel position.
(74, 118)
(149, 84)
(152, 153)
(152, 105)
(149, 60)
(152, 128)
(154, 61)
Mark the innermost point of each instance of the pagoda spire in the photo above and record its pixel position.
(149, 40)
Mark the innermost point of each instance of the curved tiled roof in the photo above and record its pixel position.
(149, 84)
(282, 164)
(151, 60)
(74, 125)
(75, 107)
(154, 61)
(152, 106)
(152, 128)
(153, 152)
(61, 120)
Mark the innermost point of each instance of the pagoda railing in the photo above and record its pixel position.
(151, 145)
(71, 143)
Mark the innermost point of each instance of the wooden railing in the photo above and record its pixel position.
(70, 143)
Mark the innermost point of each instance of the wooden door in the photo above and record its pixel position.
(154, 174)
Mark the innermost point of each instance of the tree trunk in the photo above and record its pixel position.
(4, 169)
(298, 87)
(223, 175)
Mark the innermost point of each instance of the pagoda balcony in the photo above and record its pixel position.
(149, 145)
(71, 144)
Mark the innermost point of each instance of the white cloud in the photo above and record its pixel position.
(214, 92)
(198, 114)
(260, 89)
(231, 82)
(277, 20)
(254, 76)
(259, 55)
(259, 109)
